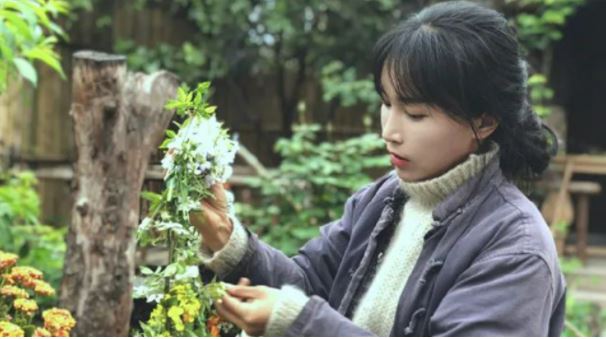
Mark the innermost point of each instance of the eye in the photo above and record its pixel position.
(416, 117)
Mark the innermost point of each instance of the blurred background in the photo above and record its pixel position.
(292, 80)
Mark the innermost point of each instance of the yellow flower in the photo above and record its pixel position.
(156, 319)
(10, 330)
(174, 313)
(7, 259)
(187, 300)
(13, 291)
(58, 321)
(191, 310)
(41, 332)
(43, 288)
(26, 306)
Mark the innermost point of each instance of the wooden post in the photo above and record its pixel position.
(560, 238)
(119, 118)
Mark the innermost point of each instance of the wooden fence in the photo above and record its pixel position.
(36, 130)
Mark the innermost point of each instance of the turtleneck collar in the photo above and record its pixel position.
(432, 191)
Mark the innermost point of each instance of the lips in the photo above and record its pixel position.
(398, 161)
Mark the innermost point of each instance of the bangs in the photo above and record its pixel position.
(423, 67)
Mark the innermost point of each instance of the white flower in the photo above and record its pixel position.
(191, 272)
(168, 162)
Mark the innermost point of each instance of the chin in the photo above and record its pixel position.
(408, 176)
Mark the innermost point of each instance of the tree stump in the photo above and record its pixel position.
(119, 119)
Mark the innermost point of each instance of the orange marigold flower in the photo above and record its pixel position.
(7, 260)
(61, 333)
(8, 329)
(13, 291)
(213, 325)
(23, 275)
(58, 321)
(26, 305)
(8, 279)
(41, 332)
(26, 271)
(43, 288)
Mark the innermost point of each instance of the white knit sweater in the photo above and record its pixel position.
(376, 311)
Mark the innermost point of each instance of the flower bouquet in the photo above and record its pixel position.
(198, 155)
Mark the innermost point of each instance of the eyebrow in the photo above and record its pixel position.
(413, 101)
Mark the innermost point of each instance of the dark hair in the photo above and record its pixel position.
(465, 59)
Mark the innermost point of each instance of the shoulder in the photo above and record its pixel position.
(516, 228)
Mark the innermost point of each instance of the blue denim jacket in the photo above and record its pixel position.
(488, 265)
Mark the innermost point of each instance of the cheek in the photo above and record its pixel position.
(447, 144)
(384, 114)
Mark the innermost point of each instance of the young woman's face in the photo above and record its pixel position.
(423, 141)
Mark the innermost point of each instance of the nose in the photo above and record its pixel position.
(390, 131)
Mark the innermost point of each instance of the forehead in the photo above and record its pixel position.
(396, 88)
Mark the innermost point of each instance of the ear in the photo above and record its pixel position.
(484, 126)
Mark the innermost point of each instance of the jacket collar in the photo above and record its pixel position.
(470, 193)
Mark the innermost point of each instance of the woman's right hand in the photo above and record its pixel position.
(213, 222)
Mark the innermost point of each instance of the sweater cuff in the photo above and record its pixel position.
(291, 302)
(226, 259)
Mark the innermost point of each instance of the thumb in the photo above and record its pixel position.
(219, 198)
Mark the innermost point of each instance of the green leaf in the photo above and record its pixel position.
(151, 196)
(146, 270)
(170, 270)
(26, 69)
(47, 56)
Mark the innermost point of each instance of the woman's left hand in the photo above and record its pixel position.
(248, 307)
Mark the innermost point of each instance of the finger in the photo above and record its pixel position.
(248, 292)
(213, 205)
(236, 307)
(226, 314)
(220, 197)
(244, 282)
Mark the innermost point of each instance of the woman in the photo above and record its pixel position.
(444, 245)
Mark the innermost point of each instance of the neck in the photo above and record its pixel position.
(430, 192)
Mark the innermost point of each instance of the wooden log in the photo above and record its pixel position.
(118, 119)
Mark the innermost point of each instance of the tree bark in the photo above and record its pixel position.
(119, 119)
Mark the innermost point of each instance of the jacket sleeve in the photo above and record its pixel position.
(318, 319)
(312, 270)
(504, 295)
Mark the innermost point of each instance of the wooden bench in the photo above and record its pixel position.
(569, 165)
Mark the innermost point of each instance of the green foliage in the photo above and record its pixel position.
(248, 38)
(20, 232)
(310, 187)
(28, 33)
(192, 103)
(582, 318)
(539, 25)
(540, 94)
(342, 85)
(19, 202)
